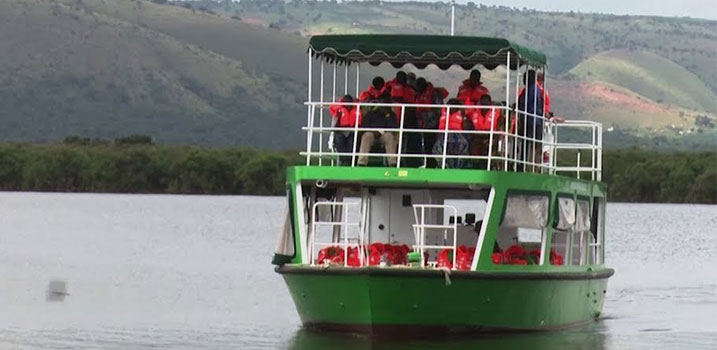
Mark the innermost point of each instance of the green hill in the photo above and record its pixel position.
(233, 73)
(649, 75)
(68, 68)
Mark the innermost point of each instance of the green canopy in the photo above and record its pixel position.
(422, 50)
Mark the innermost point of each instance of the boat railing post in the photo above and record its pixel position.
(321, 114)
(346, 233)
(507, 98)
(577, 168)
(399, 148)
(445, 137)
(490, 137)
(422, 241)
(309, 130)
(356, 130)
(599, 155)
(455, 234)
(516, 118)
(592, 153)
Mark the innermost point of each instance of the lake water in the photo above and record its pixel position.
(193, 272)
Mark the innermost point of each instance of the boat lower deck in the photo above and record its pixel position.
(379, 300)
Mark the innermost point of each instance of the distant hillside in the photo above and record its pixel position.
(234, 73)
(81, 67)
(567, 38)
(651, 75)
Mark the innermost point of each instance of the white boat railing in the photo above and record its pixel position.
(344, 224)
(419, 231)
(508, 148)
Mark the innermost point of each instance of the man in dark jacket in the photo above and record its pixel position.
(379, 118)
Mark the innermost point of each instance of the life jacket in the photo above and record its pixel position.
(515, 255)
(464, 257)
(403, 91)
(473, 93)
(544, 92)
(331, 255)
(372, 93)
(455, 122)
(431, 95)
(483, 121)
(345, 115)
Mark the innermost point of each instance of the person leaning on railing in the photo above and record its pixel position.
(344, 116)
(458, 144)
(378, 117)
(530, 123)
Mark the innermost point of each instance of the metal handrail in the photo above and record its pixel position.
(508, 153)
(420, 226)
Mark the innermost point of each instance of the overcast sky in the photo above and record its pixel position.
(692, 8)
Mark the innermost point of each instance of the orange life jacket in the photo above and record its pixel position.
(455, 122)
(473, 93)
(345, 115)
(371, 94)
(483, 121)
(544, 92)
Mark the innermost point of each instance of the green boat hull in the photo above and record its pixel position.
(377, 300)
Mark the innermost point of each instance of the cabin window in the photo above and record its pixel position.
(522, 231)
(581, 234)
(597, 232)
(562, 229)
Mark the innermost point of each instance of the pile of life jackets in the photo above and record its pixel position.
(377, 252)
(516, 255)
(464, 258)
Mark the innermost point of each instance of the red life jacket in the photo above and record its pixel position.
(473, 93)
(429, 96)
(455, 122)
(482, 120)
(546, 97)
(345, 115)
(371, 94)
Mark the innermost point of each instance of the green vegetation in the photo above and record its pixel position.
(136, 165)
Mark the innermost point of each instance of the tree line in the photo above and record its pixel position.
(136, 165)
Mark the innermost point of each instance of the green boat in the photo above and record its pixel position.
(507, 235)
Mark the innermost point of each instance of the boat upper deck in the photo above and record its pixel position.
(513, 132)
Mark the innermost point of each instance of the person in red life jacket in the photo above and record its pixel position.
(546, 98)
(472, 88)
(344, 116)
(426, 93)
(457, 144)
(486, 117)
(379, 117)
(375, 90)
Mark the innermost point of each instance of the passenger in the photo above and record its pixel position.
(428, 117)
(472, 89)
(378, 117)
(344, 117)
(400, 90)
(411, 80)
(530, 122)
(457, 144)
(375, 90)
(484, 118)
(546, 97)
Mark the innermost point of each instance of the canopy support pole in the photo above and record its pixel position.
(321, 115)
(309, 125)
(507, 98)
(453, 17)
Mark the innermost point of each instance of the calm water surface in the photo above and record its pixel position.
(193, 272)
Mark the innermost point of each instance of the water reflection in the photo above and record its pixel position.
(589, 337)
